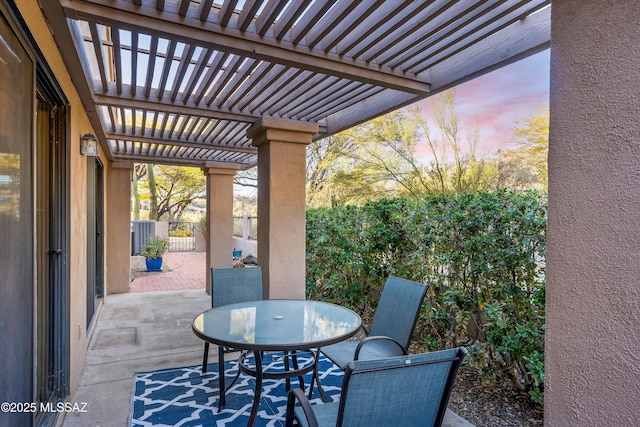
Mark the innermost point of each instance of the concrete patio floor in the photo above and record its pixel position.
(145, 331)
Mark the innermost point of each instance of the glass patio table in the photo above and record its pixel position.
(275, 325)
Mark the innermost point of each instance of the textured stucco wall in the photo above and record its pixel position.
(219, 218)
(281, 204)
(118, 227)
(593, 274)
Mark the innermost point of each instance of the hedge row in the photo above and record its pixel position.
(482, 254)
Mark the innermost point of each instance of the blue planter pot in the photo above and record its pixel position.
(154, 264)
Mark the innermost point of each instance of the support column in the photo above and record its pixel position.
(593, 289)
(281, 204)
(118, 228)
(219, 216)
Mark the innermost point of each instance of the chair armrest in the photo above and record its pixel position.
(377, 338)
(298, 393)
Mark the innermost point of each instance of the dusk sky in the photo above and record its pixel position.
(496, 101)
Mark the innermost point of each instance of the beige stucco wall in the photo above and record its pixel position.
(281, 204)
(593, 275)
(219, 217)
(79, 125)
(118, 227)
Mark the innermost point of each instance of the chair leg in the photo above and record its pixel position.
(205, 359)
(222, 402)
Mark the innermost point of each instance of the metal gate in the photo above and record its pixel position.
(182, 236)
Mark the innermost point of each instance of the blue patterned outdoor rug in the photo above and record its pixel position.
(187, 397)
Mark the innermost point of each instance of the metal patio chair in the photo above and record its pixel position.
(411, 390)
(230, 286)
(392, 326)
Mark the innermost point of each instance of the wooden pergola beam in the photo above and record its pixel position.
(112, 99)
(174, 161)
(127, 136)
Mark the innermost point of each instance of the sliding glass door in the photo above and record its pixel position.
(17, 79)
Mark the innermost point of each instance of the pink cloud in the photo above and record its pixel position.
(496, 101)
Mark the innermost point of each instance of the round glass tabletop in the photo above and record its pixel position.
(276, 325)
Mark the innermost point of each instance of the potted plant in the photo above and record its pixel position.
(153, 252)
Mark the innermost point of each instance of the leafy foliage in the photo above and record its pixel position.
(455, 166)
(169, 190)
(526, 165)
(407, 154)
(483, 255)
(155, 247)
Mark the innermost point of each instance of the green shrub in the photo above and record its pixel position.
(155, 247)
(181, 232)
(202, 226)
(482, 254)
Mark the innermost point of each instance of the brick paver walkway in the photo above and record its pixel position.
(182, 270)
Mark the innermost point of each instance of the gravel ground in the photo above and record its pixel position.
(139, 269)
(496, 404)
(488, 404)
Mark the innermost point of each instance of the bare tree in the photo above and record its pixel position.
(455, 166)
(526, 165)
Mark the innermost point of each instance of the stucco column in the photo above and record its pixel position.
(281, 204)
(219, 216)
(118, 228)
(593, 269)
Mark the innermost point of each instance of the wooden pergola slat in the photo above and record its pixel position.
(221, 84)
(356, 18)
(335, 17)
(278, 84)
(201, 65)
(269, 15)
(97, 46)
(249, 10)
(473, 21)
(226, 12)
(242, 74)
(153, 51)
(182, 69)
(166, 67)
(458, 46)
(291, 14)
(134, 62)
(214, 68)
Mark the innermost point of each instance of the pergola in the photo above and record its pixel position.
(181, 81)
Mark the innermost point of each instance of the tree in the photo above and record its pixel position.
(153, 196)
(175, 188)
(378, 159)
(526, 166)
(247, 178)
(323, 161)
(371, 161)
(139, 171)
(455, 166)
